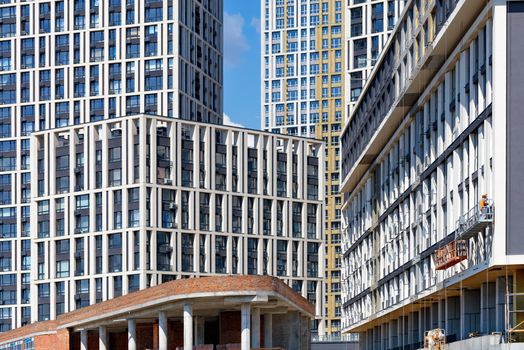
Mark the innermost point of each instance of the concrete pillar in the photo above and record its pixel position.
(405, 331)
(188, 326)
(102, 338)
(415, 337)
(487, 307)
(453, 329)
(199, 330)
(383, 336)
(376, 336)
(268, 330)
(409, 332)
(162, 330)
(393, 334)
(83, 339)
(434, 315)
(131, 334)
(371, 340)
(500, 323)
(245, 326)
(470, 307)
(255, 324)
(442, 314)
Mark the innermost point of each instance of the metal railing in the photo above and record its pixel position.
(514, 317)
(474, 220)
(353, 337)
(451, 254)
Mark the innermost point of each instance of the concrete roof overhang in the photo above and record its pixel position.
(208, 295)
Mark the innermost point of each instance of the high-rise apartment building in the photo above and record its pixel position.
(71, 62)
(431, 167)
(124, 204)
(367, 27)
(309, 56)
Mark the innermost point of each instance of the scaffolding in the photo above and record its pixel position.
(451, 254)
(474, 221)
(468, 226)
(514, 317)
(435, 339)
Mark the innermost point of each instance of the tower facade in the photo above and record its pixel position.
(368, 25)
(128, 203)
(65, 63)
(310, 60)
(431, 153)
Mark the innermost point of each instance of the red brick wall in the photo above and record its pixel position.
(118, 341)
(147, 336)
(175, 335)
(229, 323)
(230, 332)
(58, 341)
(46, 342)
(144, 336)
(93, 342)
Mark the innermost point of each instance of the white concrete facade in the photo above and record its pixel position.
(164, 199)
(309, 63)
(368, 25)
(426, 140)
(70, 62)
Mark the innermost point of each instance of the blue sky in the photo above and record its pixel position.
(242, 62)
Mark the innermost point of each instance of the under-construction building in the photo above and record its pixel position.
(432, 162)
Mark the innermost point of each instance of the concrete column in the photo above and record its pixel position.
(487, 307)
(500, 304)
(102, 338)
(393, 334)
(376, 337)
(245, 326)
(162, 330)
(83, 339)
(371, 339)
(434, 316)
(131, 334)
(383, 336)
(188, 326)
(409, 332)
(255, 323)
(416, 328)
(470, 307)
(405, 331)
(199, 330)
(453, 317)
(268, 330)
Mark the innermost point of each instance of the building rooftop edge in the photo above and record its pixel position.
(185, 121)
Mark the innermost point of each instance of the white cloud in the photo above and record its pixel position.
(255, 23)
(235, 42)
(228, 121)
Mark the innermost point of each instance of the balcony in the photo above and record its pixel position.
(474, 221)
